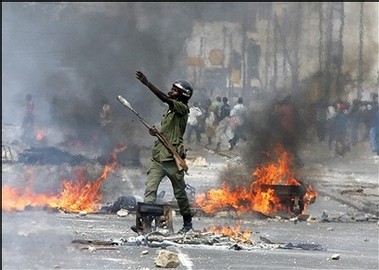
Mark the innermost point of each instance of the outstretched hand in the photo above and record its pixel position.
(140, 76)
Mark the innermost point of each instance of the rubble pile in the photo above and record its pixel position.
(195, 239)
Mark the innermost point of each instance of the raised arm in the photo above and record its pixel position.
(161, 95)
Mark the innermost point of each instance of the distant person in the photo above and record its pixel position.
(222, 126)
(320, 120)
(106, 113)
(216, 106)
(225, 109)
(354, 116)
(105, 119)
(193, 123)
(237, 115)
(202, 117)
(373, 119)
(28, 132)
(330, 115)
(340, 131)
(210, 124)
(54, 112)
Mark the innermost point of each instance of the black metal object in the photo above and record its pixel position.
(290, 196)
(124, 202)
(55, 156)
(49, 155)
(151, 216)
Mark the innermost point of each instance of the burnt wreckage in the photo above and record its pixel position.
(55, 156)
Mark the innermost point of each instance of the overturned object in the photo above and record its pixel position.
(124, 202)
(49, 155)
(290, 195)
(150, 217)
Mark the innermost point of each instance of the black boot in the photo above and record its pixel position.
(187, 224)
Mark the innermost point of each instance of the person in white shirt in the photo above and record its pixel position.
(193, 123)
(237, 115)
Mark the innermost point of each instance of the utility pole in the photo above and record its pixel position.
(360, 60)
(340, 83)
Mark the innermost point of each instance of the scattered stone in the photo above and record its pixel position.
(119, 241)
(336, 257)
(166, 259)
(311, 219)
(144, 252)
(82, 213)
(303, 217)
(324, 216)
(295, 220)
(122, 213)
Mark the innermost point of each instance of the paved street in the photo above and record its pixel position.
(41, 240)
(342, 226)
(281, 172)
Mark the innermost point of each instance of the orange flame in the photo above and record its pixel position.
(259, 196)
(76, 196)
(234, 232)
(40, 135)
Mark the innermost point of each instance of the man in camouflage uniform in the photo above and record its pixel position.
(163, 164)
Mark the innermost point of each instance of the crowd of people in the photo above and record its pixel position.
(344, 124)
(216, 119)
(341, 124)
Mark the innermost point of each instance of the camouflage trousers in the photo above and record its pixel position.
(155, 174)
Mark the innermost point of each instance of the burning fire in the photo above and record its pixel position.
(40, 135)
(78, 195)
(234, 232)
(260, 196)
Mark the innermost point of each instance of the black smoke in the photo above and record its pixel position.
(70, 59)
(71, 56)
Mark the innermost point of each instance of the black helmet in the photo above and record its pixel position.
(186, 87)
